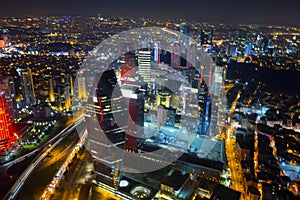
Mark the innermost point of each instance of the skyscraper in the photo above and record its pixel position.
(7, 86)
(27, 86)
(175, 56)
(218, 112)
(67, 98)
(6, 127)
(71, 86)
(134, 98)
(242, 44)
(51, 90)
(127, 67)
(191, 56)
(106, 133)
(144, 62)
(204, 108)
(157, 52)
(82, 94)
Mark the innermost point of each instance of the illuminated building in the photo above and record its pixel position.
(249, 49)
(218, 111)
(204, 109)
(6, 128)
(144, 62)
(134, 98)
(7, 85)
(242, 44)
(71, 86)
(51, 90)
(82, 94)
(67, 98)
(127, 67)
(27, 86)
(204, 98)
(206, 69)
(4, 41)
(172, 185)
(175, 56)
(2, 44)
(184, 28)
(157, 52)
(206, 37)
(106, 132)
(191, 56)
(164, 98)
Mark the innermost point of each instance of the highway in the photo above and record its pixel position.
(27, 155)
(80, 173)
(51, 144)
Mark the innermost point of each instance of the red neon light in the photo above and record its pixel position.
(101, 109)
(7, 136)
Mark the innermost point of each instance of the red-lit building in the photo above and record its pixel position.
(134, 99)
(127, 66)
(2, 44)
(7, 137)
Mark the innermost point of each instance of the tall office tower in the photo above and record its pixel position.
(144, 62)
(175, 56)
(7, 86)
(106, 132)
(206, 37)
(191, 56)
(127, 67)
(51, 90)
(27, 86)
(6, 127)
(242, 43)
(204, 109)
(195, 80)
(71, 86)
(218, 111)
(157, 52)
(82, 93)
(67, 98)
(134, 98)
(206, 69)
(232, 51)
(248, 49)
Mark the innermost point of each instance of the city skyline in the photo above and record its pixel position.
(253, 12)
(102, 107)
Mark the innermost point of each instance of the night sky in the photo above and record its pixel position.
(228, 11)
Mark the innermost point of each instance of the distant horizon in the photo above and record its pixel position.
(177, 19)
(267, 12)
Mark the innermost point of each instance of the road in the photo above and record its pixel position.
(15, 189)
(79, 173)
(233, 158)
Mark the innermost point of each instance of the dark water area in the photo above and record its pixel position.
(283, 81)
